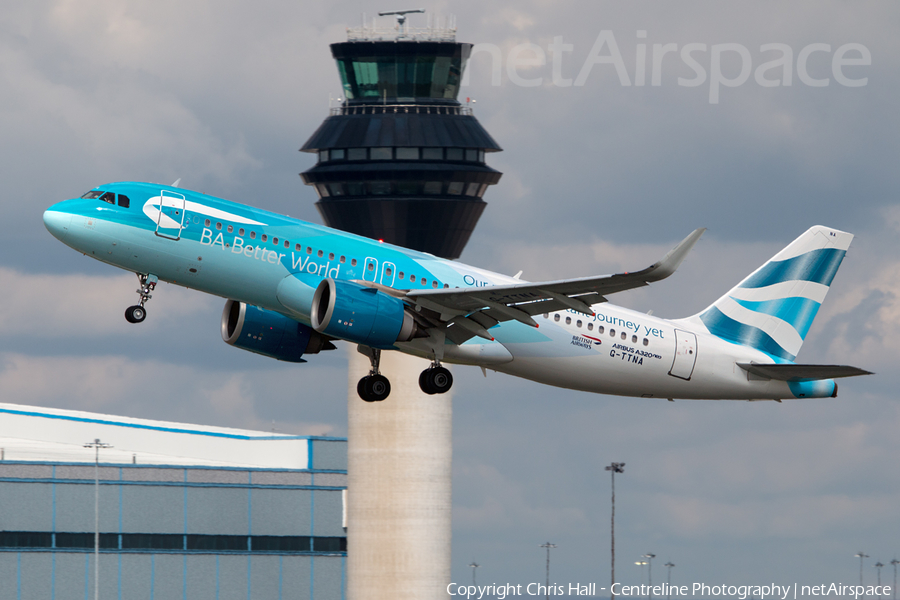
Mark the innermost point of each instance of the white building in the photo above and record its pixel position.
(186, 511)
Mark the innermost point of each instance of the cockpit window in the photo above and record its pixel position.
(124, 202)
(93, 194)
(109, 197)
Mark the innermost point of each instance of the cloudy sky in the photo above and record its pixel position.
(598, 176)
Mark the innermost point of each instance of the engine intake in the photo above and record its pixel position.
(269, 333)
(360, 314)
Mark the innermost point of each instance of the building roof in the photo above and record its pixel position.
(30, 433)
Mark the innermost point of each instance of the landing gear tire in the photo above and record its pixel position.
(135, 314)
(373, 388)
(435, 380)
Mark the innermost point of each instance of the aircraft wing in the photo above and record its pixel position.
(466, 312)
(791, 372)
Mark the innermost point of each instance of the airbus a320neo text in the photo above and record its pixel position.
(293, 288)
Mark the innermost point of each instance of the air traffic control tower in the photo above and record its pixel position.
(401, 160)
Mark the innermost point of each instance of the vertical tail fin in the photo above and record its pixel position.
(772, 309)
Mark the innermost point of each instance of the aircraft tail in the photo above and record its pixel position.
(772, 309)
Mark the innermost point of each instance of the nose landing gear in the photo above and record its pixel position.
(374, 387)
(137, 313)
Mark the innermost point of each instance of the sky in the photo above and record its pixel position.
(600, 174)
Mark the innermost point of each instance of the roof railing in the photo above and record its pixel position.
(381, 109)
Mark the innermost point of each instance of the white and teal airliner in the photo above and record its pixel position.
(293, 288)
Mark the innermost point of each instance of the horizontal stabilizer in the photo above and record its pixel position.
(791, 372)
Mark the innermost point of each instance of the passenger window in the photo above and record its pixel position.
(412, 278)
(353, 262)
(331, 256)
(424, 281)
(219, 226)
(252, 235)
(612, 333)
(230, 229)
(646, 341)
(634, 339)
(578, 323)
(400, 275)
(568, 320)
(590, 326)
(446, 286)
(206, 223)
(241, 231)
(434, 284)
(370, 267)
(343, 260)
(556, 318)
(298, 248)
(320, 254)
(623, 335)
(387, 272)
(287, 244)
(124, 202)
(264, 237)
(309, 250)
(275, 241)
(546, 315)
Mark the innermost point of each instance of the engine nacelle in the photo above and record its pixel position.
(360, 314)
(269, 333)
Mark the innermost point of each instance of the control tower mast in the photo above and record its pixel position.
(401, 160)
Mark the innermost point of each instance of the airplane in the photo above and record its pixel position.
(293, 288)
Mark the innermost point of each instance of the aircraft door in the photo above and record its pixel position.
(170, 220)
(370, 270)
(685, 354)
(388, 272)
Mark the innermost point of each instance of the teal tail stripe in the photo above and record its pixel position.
(799, 312)
(818, 266)
(727, 328)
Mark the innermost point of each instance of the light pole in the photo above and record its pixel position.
(878, 566)
(548, 546)
(96, 445)
(895, 562)
(613, 468)
(861, 556)
(669, 565)
(641, 564)
(650, 556)
(474, 566)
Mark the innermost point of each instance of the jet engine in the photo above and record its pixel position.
(269, 333)
(360, 314)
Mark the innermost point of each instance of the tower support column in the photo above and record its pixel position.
(399, 486)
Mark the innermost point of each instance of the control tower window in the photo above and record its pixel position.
(323, 191)
(337, 154)
(472, 189)
(380, 188)
(408, 188)
(454, 154)
(471, 155)
(455, 188)
(323, 155)
(482, 189)
(407, 154)
(433, 153)
(357, 154)
(481, 156)
(356, 189)
(433, 187)
(381, 153)
(336, 189)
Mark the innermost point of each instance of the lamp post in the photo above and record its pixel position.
(895, 562)
(650, 556)
(613, 468)
(878, 566)
(474, 566)
(96, 445)
(641, 564)
(548, 546)
(669, 565)
(861, 556)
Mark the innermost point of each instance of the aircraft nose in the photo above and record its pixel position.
(57, 222)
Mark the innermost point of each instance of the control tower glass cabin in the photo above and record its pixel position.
(401, 160)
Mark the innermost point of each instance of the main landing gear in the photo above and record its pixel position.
(374, 387)
(137, 313)
(435, 379)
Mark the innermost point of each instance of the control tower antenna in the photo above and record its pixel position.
(401, 14)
